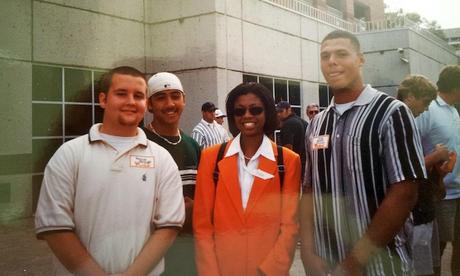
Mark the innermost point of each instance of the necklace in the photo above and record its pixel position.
(246, 158)
(164, 138)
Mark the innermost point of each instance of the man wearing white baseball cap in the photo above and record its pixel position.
(166, 101)
(219, 118)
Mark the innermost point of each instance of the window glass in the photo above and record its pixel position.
(42, 150)
(294, 92)
(267, 82)
(78, 85)
(78, 119)
(249, 78)
(46, 119)
(281, 90)
(46, 83)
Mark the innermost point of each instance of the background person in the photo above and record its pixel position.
(311, 111)
(206, 132)
(417, 92)
(219, 118)
(440, 124)
(246, 223)
(292, 132)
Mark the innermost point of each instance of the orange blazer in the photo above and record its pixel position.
(232, 241)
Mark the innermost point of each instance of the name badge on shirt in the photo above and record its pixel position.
(320, 142)
(263, 175)
(141, 161)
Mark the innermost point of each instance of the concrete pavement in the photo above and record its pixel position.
(22, 254)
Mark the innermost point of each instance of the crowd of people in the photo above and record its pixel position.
(368, 186)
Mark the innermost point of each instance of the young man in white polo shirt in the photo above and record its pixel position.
(111, 200)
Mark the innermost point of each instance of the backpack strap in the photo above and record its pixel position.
(220, 155)
(280, 162)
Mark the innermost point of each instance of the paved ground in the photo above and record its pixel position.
(22, 254)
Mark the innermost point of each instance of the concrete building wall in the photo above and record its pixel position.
(393, 54)
(376, 9)
(72, 39)
(220, 42)
(58, 48)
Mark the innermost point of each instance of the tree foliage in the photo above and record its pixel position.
(430, 25)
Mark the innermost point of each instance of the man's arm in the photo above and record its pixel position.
(67, 247)
(153, 251)
(310, 260)
(387, 221)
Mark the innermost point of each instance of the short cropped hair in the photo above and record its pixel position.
(106, 79)
(449, 79)
(343, 34)
(260, 91)
(417, 85)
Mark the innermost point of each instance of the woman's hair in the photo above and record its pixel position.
(417, 85)
(260, 91)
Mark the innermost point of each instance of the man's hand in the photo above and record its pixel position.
(448, 166)
(188, 228)
(350, 266)
(69, 250)
(315, 264)
(441, 152)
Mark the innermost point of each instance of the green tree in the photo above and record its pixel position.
(430, 25)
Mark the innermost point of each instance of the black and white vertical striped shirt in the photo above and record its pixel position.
(352, 159)
(207, 134)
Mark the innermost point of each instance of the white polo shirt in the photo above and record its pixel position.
(110, 199)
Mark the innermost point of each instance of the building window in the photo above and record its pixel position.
(325, 96)
(282, 90)
(361, 11)
(64, 106)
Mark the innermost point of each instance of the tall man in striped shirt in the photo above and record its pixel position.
(363, 165)
(207, 132)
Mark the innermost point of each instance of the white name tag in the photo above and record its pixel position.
(263, 175)
(141, 161)
(320, 142)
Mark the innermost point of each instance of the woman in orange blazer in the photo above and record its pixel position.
(246, 223)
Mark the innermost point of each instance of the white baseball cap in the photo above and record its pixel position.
(163, 81)
(218, 113)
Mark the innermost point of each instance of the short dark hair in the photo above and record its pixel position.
(106, 79)
(260, 91)
(417, 85)
(343, 34)
(208, 107)
(449, 79)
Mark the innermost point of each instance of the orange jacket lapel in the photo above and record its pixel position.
(228, 168)
(260, 184)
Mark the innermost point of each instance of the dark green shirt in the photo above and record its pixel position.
(186, 154)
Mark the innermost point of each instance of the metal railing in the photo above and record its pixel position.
(356, 26)
(401, 22)
(307, 10)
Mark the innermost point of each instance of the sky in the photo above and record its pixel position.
(445, 12)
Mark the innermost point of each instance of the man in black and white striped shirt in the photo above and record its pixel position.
(207, 132)
(363, 166)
